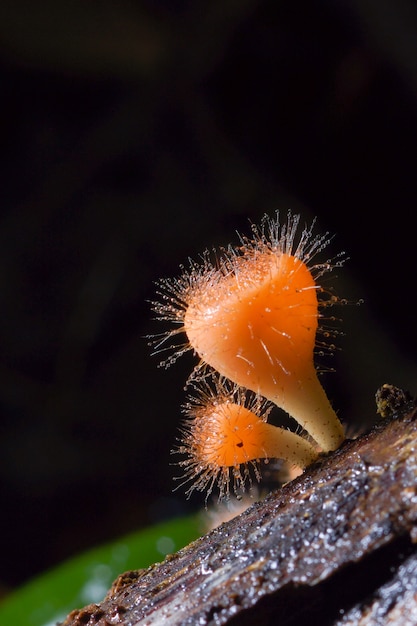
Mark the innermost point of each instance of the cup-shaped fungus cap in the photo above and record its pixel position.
(258, 325)
(254, 319)
(225, 436)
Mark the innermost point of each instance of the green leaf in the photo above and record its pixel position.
(84, 579)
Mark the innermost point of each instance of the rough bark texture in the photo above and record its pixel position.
(335, 546)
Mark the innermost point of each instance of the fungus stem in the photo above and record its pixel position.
(305, 400)
(278, 443)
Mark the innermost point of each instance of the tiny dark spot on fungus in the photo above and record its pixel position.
(240, 444)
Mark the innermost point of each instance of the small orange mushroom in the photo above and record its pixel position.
(225, 435)
(254, 317)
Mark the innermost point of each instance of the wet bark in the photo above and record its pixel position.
(335, 546)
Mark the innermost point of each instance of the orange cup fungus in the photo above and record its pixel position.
(226, 434)
(253, 317)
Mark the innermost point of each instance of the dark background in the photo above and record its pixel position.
(136, 134)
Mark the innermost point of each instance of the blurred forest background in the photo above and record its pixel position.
(135, 134)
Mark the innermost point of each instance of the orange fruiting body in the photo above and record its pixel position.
(257, 327)
(224, 437)
(254, 316)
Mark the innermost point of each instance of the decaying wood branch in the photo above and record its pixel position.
(335, 546)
